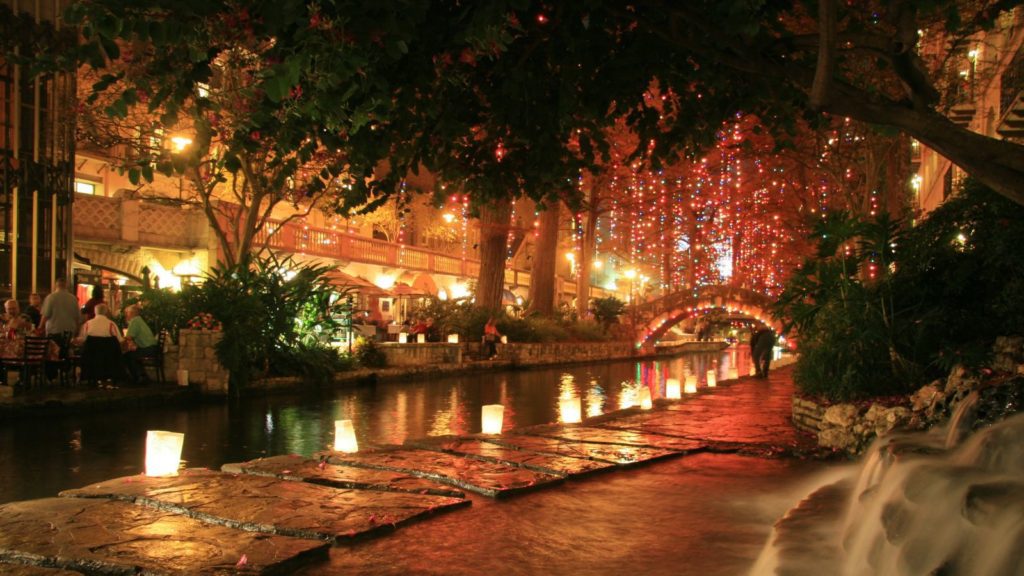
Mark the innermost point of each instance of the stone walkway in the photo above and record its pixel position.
(271, 515)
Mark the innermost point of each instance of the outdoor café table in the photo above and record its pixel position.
(13, 348)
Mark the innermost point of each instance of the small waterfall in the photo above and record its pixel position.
(918, 507)
(962, 419)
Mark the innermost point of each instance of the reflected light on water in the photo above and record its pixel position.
(595, 399)
(108, 445)
(569, 410)
(629, 394)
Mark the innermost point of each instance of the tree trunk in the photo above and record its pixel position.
(587, 257)
(542, 275)
(495, 221)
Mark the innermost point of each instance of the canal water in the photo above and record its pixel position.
(40, 457)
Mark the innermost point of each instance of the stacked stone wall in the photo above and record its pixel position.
(198, 355)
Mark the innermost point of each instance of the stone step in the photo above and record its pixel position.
(300, 468)
(601, 435)
(487, 478)
(554, 464)
(620, 455)
(117, 538)
(271, 505)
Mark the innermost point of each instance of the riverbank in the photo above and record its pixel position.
(58, 401)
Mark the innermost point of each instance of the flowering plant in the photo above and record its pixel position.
(204, 321)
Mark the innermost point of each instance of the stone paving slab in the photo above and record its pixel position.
(265, 504)
(117, 538)
(487, 478)
(600, 435)
(555, 464)
(300, 468)
(618, 454)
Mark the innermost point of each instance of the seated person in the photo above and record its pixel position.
(491, 338)
(35, 306)
(101, 347)
(15, 323)
(141, 344)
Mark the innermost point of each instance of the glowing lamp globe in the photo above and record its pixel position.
(712, 379)
(504, 339)
(403, 338)
(163, 452)
(645, 399)
(672, 389)
(345, 436)
(691, 385)
(492, 415)
(570, 410)
(421, 338)
(453, 338)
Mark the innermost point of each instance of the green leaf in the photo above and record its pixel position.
(133, 176)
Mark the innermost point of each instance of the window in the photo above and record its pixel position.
(84, 187)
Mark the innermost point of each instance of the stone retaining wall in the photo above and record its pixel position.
(535, 354)
(807, 415)
(416, 354)
(197, 355)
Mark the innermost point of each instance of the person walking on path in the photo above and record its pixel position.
(761, 345)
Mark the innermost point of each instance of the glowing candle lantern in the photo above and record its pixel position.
(672, 389)
(734, 373)
(504, 339)
(493, 414)
(690, 387)
(163, 452)
(570, 410)
(453, 338)
(421, 338)
(645, 398)
(403, 338)
(712, 379)
(345, 436)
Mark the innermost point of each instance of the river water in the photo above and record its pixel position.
(40, 457)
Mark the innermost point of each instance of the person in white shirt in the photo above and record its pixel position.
(101, 326)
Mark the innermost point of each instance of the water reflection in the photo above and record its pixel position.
(39, 457)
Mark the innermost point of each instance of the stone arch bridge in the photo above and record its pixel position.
(653, 319)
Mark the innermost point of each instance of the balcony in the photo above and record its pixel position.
(140, 223)
(137, 223)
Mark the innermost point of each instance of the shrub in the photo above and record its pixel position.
(369, 354)
(607, 310)
(267, 307)
(881, 309)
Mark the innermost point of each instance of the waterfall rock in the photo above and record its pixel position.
(926, 397)
(960, 382)
(841, 415)
(840, 439)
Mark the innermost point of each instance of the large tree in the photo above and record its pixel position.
(506, 98)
